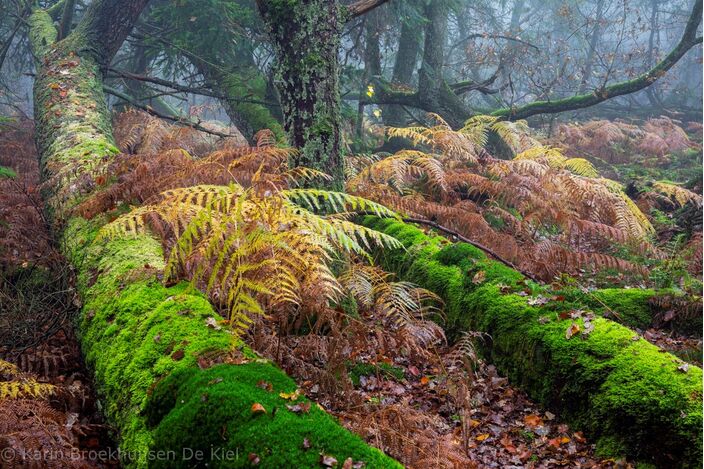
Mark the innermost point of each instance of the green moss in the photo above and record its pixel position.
(147, 344)
(211, 411)
(626, 394)
(631, 306)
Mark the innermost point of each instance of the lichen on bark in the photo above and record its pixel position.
(306, 38)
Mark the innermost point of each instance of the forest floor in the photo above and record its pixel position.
(63, 427)
(435, 410)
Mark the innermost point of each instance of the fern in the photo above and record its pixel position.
(677, 193)
(250, 251)
(514, 134)
(440, 137)
(17, 385)
(401, 170)
(539, 195)
(554, 158)
(404, 303)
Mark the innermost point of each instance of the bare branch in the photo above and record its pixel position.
(151, 111)
(360, 7)
(689, 40)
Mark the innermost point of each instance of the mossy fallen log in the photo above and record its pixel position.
(630, 397)
(174, 387)
(171, 381)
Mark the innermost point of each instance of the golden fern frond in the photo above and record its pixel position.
(401, 169)
(581, 167)
(513, 133)
(360, 280)
(300, 175)
(678, 193)
(16, 385)
(477, 129)
(251, 250)
(613, 186)
(418, 135)
(551, 156)
(642, 221)
(456, 144)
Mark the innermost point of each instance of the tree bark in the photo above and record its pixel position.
(593, 41)
(72, 122)
(409, 43)
(372, 63)
(306, 38)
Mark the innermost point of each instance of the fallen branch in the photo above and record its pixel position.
(422, 221)
(151, 111)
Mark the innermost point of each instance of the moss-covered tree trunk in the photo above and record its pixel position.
(149, 346)
(73, 130)
(306, 38)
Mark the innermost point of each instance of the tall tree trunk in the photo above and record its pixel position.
(654, 31)
(409, 43)
(593, 41)
(306, 37)
(434, 92)
(372, 63)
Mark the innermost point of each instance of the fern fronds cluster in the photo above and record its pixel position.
(621, 142)
(251, 251)
(554, 158)
(544, 211)
(439, 137)
(399, 169)
(403, 302)
(514, 134)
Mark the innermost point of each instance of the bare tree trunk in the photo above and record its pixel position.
(434, 92)
(593, 41)
(372, 63)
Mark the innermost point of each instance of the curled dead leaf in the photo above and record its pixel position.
(479, 277)
(303, 407)
(257, 408)
(327, 460)
(572, 330)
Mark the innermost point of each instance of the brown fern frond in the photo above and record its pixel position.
(678, 193)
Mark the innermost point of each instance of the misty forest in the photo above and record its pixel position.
(350, 234)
